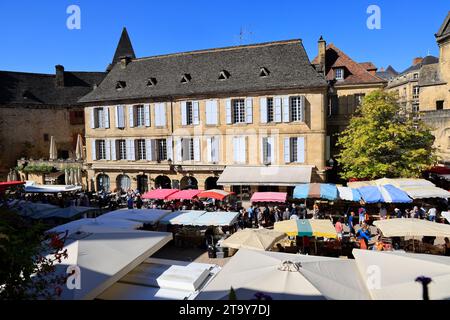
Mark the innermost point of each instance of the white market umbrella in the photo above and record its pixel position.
(79, 150)
(53, 151)
(285, 276)
(392, 275)
(411, 227)
(256, 239)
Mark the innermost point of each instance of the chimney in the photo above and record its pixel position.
(59, 72)
(381, 69)
(322, 54)
(417, 60)
(124, 61)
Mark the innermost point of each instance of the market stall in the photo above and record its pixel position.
(255, 239)
(147, 216)
(214, 194)
(159, 194)
(269, 197)
(184, 195)
(315, 191)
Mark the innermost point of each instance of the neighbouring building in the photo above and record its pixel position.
(349, 81)
(249, 118)
(387, 74)
(34, 107)
(434, 99)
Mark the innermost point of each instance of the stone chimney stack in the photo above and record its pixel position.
(124, 61)
(59, 72)
(417, 60)
(322, 54)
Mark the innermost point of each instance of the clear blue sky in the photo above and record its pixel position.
(34, 36)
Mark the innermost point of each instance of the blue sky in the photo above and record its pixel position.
(35, 37)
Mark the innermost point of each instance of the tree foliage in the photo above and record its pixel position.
(27, 259)
(379, 142)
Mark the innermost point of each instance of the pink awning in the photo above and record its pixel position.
(160, 194)
(215, 194)
(184, 194)
(269, 197)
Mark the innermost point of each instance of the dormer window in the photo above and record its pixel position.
(151, 82)
(339, 73)
(263, 72)
(186, 78)
(120, 85)
(223, 75)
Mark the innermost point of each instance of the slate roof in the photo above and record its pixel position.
(39, 89)
(124, 47)
(444, 30)
(425, 61)
(430, 75)
(387, 74)
(355, 73)
(286, 61)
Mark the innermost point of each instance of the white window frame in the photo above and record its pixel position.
(238, 110)
(161, 149)
(121, 147)
(100, 146)
(141, 149)
(296, 109)
(99, 118)
(139, 116)
(339, 73)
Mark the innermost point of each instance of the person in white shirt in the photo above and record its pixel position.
(294, 217)
(432, 214)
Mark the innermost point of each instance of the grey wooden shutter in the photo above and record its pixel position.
(228, 111)
(94, 149)
(209, 147)
(106, 115)
(243, 150)
(108, 149)
(131, 116)
(183, 110)
(92, 118)
(302, 108)
(286, 111)
(197, 151)
(249, 110)
(116, 116)
(132, 150)
(263, 109)
(215, 148)
(301, 149)
(287, 150)
(162, 114)
(277, 109)
(178, 147)
(169, 148)
(113, 149)
(195, 113)
(148, 150)
(147, 115)
(214, 112)
(272, 150)
(262, 150)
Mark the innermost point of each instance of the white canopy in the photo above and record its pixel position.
(77, 225)
(446, 215)
(150, 216)
(216, 218)
(32, 187)
(249, 272)
(392, 274)
(105, 257)
(186, 218)
(256, 239)
(411, 227)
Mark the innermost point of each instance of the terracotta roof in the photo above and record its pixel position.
(355, 72)
(368, 66)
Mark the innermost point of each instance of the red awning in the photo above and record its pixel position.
(269, 197)
(439, 170)
(215, 194)
(184, 194)
(160, 194)
(5, 185)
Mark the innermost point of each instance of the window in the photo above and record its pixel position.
(415, 92)
(101, 150)
(140, 116)
(293, 151)
(151, 82)
(121, 150)
(161, 149)
(45, 136)
(141, 152)
(267, 149)
(120, 85)
(269, 109)
(263, 72)
(99, 118)
(223, 75)
(416, 76)
(358, 99)
(415, 107)
(103, 182)
(186, 78)
(339, 74)
(189, 113)
(440, 105)
(238, 110)
(295, 104)
(76, 117)
(191, 149)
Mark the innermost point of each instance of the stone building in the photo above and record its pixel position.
(249, 118)
(434, 99)
(349, 81)
(34, 107)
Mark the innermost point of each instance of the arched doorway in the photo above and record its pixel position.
(103, 183)
(163, 182)
(123, 182)
(142, 183)
(211, 183)
(188, 183)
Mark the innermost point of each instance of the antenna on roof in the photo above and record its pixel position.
(428, 52)
(243, 33)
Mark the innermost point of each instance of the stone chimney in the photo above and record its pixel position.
(322, 54)
(417, 60)
(59, 72)
(124, 61)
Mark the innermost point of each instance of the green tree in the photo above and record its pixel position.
(380, 142)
